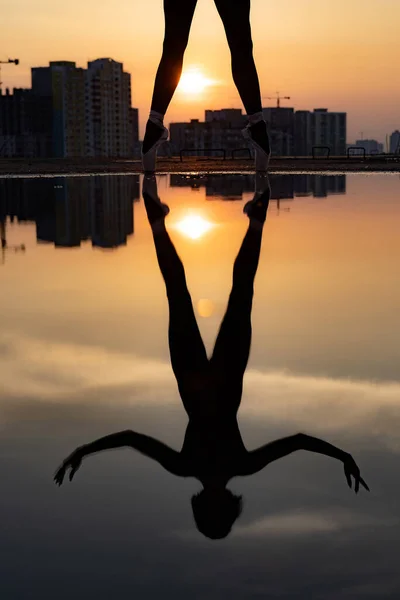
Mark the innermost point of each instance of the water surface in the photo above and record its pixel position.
(84, 353)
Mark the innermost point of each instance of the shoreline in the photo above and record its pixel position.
(40, 167)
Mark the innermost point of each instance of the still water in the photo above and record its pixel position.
(84, 353)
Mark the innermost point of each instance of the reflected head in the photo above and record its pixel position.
(215, 511)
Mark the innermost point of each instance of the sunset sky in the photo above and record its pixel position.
(335, 54)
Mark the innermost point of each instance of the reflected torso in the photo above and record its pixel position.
(213, 447)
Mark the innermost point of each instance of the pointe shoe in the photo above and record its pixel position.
(156, 210)
(149, 158)
(262, 157)
(257, 207)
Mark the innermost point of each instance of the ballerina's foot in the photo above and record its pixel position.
(156, 212)
(155, 209)
(257, 134)
(152, 135)
(155, 135)
(257, 208)
(260, 136)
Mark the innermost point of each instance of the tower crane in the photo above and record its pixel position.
(14, 61)
(278, 99)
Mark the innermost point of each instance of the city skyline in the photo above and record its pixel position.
(292, 133)
(71, 111)
(75, 112)
(336, 64)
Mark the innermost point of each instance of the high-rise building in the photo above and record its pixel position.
(21, 133)
(86, 112)
(62, 86)
(111, 127)
(303, 128)
(280, 124)
(14, 121)
(395, 142)
(320, 128)
(329, 129)
(232, 116)
(222, 129)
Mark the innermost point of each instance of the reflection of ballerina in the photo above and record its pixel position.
(235, 15)
(213, 451)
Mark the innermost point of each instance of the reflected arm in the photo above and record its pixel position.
(260, 458)
(163, 454)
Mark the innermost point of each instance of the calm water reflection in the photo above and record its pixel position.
(84, 352)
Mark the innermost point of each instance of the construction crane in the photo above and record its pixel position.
(278, 99)
(14, 61)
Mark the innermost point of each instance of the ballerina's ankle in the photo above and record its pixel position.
(156, 118)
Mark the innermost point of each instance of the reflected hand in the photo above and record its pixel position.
(351, 469)
(73, 462)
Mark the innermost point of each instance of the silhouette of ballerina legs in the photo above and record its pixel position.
(235, 16)
(211, 389)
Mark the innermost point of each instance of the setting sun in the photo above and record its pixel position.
(193, 226)
(193, 82)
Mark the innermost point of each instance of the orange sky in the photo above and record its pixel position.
(336, 54)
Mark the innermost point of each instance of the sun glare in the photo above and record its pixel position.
(193, 226)
(193, 82)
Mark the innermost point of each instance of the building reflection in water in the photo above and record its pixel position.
(284, 187)
(70, 210)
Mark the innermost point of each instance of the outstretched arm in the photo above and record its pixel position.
(258, 459)
(163, 454)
